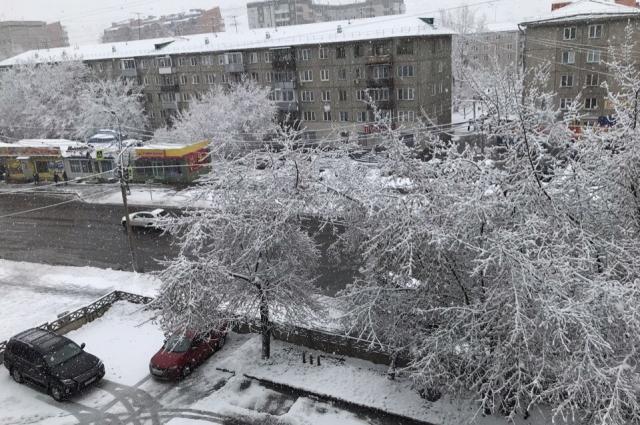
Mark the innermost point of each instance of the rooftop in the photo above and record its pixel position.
(295, 35)
(583, 9)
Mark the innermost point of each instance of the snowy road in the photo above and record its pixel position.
(81, 234)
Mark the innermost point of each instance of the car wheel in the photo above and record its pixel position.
(57, 393)
(186, 371)
(17, 375)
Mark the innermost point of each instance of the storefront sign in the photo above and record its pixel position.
(29, 151)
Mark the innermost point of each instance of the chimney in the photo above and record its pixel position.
(559, 5)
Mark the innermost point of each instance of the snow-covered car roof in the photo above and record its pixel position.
(280, 37)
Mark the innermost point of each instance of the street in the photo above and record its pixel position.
(83, 234)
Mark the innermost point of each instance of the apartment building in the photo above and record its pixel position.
(320, 74)
(276, 13)
(497, 44)
(195, 21)
(20, 36)
(575, 38)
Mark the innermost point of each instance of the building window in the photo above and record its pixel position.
(357, 51)
(211, 79)
(327, 115)
(380, 50)
(379, 94)
(194, 61)
(128, 64)
(225, 78)
(405, 47)
(590, 103)
(565, 103)
(267, 57)
(592, 80)
(341, 53)
(358, 72)
(593, 56)
(305, 54)
(362, 96)
(309, 116)
(381, 72)
(595, 31)
(183, 79)
(342, 74)
(326, 96)
(324, 53)
(253, 57)
(570, 33)
(145, 81)
(195, 79)
(343, 95)
(361, 116)
(221, 60)
(344, 116)
(440, 67)
(324, 74)
(406, 93)
(255, 77)
(566, 81)
(164, 62)
(306, 75)
(182, 61)
(267, 77)
(406, 116)
(405, 71)
(207, 60)
(568, 57)
(308, 96)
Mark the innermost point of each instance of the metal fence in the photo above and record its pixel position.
(86, 314)
(314, 339)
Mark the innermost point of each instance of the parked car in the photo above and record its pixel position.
(182, 352)
(52, 362)
(145, 219)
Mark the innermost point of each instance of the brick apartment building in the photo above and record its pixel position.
(20, 36)
(575, 38)
(322, 74)
(195, 21)
(277, 13)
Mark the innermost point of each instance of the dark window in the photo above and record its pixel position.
(405, 47)
(177, 344)
(341, 52)
(63, 353)
(357, 51)
(42, 166)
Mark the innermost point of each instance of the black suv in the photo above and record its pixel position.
(52, 362)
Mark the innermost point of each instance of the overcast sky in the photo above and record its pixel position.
(86, 19)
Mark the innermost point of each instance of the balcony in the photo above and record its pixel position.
(287, 106)
(130, 72)
(170, 88)
(166, 70)
(283, 59)
(382, 104)
(373, 83)
(234, 68)
(169, 104)
(379, 60)
(289, 85)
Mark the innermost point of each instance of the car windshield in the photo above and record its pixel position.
(62, 353)
(177, 344)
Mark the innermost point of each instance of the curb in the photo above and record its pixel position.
(397, 418)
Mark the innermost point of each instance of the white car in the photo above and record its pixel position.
(145, 219)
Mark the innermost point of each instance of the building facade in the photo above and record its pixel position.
(277, 13)
(501, 45)
(575, 40)
(195, 21)
(20, 36)
(326, 82)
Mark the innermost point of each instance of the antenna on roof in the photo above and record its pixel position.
(339, 29)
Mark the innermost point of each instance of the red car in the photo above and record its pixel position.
(184, 351)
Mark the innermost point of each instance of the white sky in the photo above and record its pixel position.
(86, 19)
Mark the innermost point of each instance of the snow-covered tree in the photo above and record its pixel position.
(63, 100)
(249, 259)
(240, 114)
(510, 276)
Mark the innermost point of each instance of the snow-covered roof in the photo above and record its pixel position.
(586, 9)
(500, 27)
(295, 35)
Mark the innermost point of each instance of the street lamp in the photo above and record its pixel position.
(123, 189)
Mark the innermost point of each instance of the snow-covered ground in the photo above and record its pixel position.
(32, 294)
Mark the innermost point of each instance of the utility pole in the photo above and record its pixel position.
(123, 189)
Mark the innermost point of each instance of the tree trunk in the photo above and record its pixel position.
(265, 328)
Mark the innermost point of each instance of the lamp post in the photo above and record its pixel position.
(123, 189)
